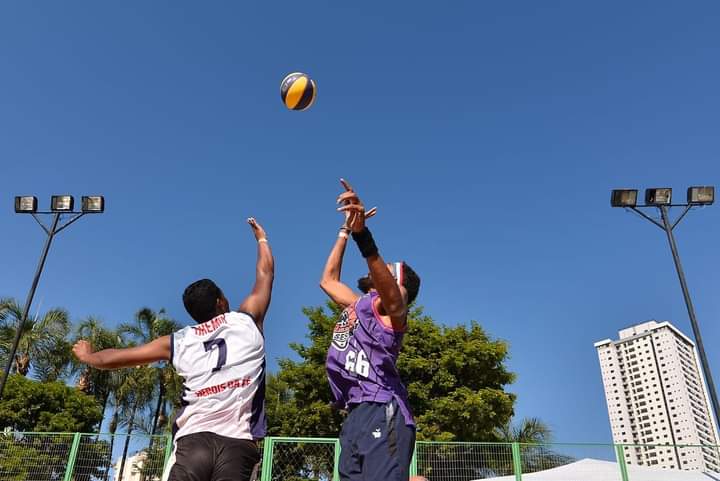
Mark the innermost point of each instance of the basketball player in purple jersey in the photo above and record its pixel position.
(222, 362)
(378, 435)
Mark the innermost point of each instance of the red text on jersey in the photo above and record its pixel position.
(234, 384)
(209, 326)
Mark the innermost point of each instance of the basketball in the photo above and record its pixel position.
(298, 91)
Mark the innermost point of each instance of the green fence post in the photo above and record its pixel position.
(267, 459)
(168, 450)
(517, 463)
(620, 453)
(71, 458)
(336, 463)
(413, 462)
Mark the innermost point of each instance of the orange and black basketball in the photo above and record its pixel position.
(298, 91)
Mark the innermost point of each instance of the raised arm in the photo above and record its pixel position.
(340, 293)
(392, 300)
(256, 304)
(157, 350)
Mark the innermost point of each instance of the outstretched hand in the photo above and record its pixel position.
(353, 208)
(257, 229)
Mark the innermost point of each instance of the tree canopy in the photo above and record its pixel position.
(456, 379)
(29, 405)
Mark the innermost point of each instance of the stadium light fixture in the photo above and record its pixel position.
(659, 199)
(61, 207)
(624, 198)
(26, 204)
(658, 196)
(701, 195)
(62, 203)
(93, 204)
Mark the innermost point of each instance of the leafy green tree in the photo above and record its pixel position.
(47, 407)
(29, 405)
(154, 461)
(456, 379)
(43, 343)
(24, 458)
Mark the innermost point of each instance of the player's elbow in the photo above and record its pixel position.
(395, 308)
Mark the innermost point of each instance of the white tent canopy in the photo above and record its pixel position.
(597, 470)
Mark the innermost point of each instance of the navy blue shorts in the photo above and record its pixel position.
(376, 444)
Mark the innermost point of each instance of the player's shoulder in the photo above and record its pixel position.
(239, 316)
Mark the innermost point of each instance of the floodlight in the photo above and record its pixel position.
(624, 198)
(701, 195)
(93, 204)
(62, 203)
(658, 196)
(26, 204)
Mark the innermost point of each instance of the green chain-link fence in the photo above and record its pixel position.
(297, 459)
(82, 457)
(98, 457)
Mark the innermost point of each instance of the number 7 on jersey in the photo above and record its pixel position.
(222, 351)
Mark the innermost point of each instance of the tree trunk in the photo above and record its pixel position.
(156, 417)
(127, 444)
(112, 428)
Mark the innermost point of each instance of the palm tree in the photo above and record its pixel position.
(534, 436)
(115, 381)
(98, 383)
(42, 343)
(56, 363)
(527, 431)
(133, 397)
(147, 326)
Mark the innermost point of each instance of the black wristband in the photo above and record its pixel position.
(365, 243)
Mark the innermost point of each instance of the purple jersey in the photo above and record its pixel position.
(362, 359)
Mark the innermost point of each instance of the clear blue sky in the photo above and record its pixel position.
(488, 133)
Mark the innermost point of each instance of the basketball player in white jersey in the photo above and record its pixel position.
(222, 363)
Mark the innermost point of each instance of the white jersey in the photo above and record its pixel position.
(222, 363)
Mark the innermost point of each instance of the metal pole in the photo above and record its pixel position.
(517, 461)
(28, 302)
(691, 312)
(72, 458)
(620, 455)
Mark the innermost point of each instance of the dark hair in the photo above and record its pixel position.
(411, 282)
(200, 300)
(364, 284)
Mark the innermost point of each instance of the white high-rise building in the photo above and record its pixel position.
(656, 395)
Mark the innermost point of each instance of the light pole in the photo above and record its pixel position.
(661, 199)
(60, 205)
